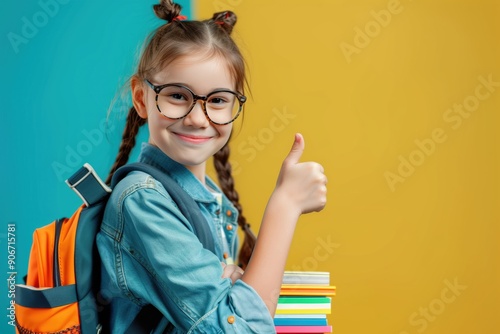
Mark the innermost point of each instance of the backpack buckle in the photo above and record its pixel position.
(88, 185)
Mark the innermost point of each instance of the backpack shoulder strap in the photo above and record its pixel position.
(186, 204)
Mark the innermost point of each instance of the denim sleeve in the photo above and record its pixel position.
(159, 260)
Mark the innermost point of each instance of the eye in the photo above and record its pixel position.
(217, 100)
(177, 96)
(221, 100)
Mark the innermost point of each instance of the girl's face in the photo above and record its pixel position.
(193, 139)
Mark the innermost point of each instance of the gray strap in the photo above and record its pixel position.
(45, 298)
(88, 185)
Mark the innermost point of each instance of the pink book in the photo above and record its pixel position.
(303, 329)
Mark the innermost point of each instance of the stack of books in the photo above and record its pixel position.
(304, 302)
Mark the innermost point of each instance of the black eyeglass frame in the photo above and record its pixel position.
(241, 100)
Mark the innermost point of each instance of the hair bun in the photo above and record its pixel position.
(226, 20)
(167, 10)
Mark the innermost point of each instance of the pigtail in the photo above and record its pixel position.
(226, 20)
(226, 182)
(167, 10)
(134, 122)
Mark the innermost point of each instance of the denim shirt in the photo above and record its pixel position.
(150, 255)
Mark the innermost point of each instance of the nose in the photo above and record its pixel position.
(197, 116)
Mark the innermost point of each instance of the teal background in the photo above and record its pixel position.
(56, 89)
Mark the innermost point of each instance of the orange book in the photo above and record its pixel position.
(307, 290)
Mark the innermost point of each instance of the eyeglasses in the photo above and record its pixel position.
(175, 101)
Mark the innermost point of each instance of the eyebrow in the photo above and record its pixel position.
(190, 87)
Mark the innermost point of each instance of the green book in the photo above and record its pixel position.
(304, 300)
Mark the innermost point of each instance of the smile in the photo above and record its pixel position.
(192, 138)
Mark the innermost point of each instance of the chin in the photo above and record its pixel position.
(190, 162)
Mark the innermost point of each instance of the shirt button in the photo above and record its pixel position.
(229, 213)
(229, 227)
(225, 255)
(230, 319)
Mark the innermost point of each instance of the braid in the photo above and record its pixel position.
(226, 181)
(134, 122)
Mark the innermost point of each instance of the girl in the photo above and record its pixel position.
(189, 88)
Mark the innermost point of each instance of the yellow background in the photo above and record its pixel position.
(393, 249)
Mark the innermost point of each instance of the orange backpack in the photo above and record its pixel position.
(61, 294)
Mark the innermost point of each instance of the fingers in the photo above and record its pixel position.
(322, 173)
(236, 275)
(323, 192)
(296, 151)
(315, 189)
(231, 271)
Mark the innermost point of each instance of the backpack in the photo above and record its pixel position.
(61, 294)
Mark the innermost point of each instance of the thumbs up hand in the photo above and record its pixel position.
(302, 184)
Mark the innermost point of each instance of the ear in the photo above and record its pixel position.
(139, 96)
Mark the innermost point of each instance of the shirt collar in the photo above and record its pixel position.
(153, 156)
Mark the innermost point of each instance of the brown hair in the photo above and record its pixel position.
(175, 39)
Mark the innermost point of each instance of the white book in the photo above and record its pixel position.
(306, 277)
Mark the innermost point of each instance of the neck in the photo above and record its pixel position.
(199, 171)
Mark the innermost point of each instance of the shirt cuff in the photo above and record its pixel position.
(248, 305)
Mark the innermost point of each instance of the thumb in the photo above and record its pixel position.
(296, 151)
